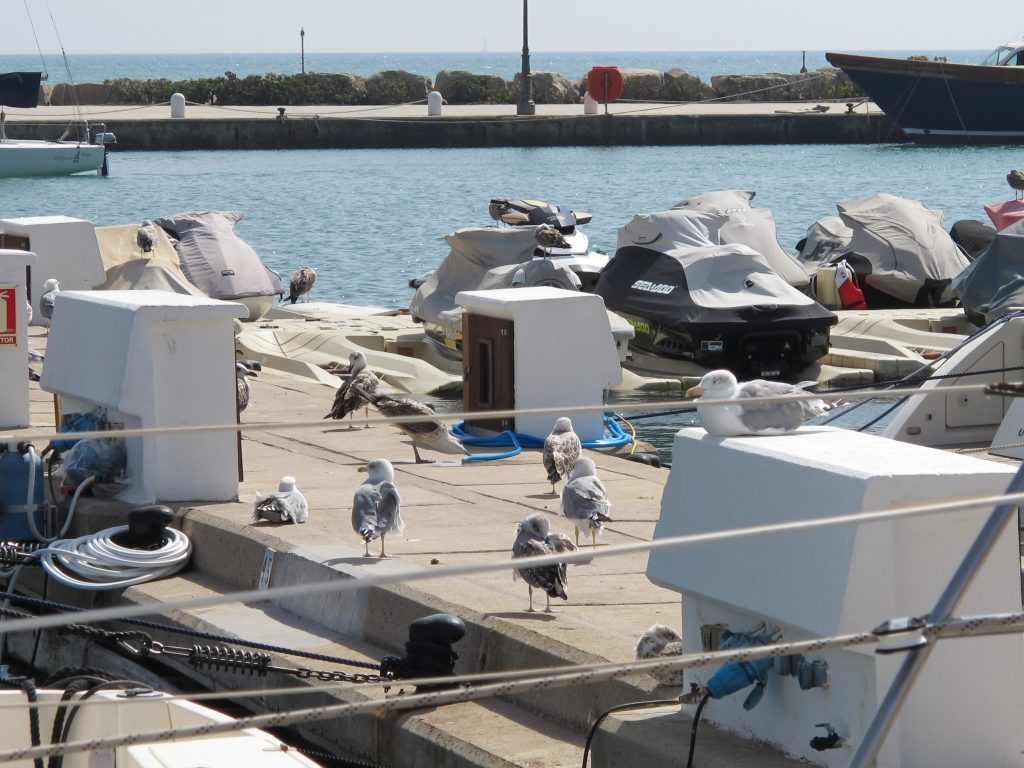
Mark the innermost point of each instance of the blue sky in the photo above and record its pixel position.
(257, 26)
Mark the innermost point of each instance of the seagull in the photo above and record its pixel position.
(661, 642)
(377, 507)
(287, 505)
(534, 538)
(358, 389)
(51, 289)
(1016, 180)
(548, 237)
(561, 450)
(301, 284)
(585, 500)
(430, 433)
(242, 385)
(773, 418)
(28, 310)
(498, 208)
(146, 236)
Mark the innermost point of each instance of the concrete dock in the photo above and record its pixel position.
(408, 126)
(454, 515)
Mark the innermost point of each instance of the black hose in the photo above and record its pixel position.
(33, 717)
(619, 708)
(693, 729)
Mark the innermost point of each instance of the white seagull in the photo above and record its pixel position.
(773, 418)
(51, 289)
(286, 505)
(357, 390)
(585, 500)
(377, 507)
(533, 539)
(660, 641)
(561, 450)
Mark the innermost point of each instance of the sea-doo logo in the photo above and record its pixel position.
(649, 287)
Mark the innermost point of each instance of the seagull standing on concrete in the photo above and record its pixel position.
(561, 450)
(661, 642)
(287, 505)
(362, 384)
(533, 539)
(428, 433)
(146, 236)
(585, 500)
(377, 507)
(772, 418)
(301, 284)
(242, 374)
(51, 289)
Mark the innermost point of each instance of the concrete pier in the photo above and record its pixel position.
(409, 126)
(453, 515)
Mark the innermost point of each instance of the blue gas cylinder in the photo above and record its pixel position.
(16, 468)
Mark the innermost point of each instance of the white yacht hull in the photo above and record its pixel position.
(33, 157)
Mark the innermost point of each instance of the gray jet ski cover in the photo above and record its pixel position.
(993, 285)
(475, 251)
(753, 227)
(907, 251)
(215, 259)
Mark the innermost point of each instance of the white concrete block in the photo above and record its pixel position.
(564, 352)
(66, 250)
(154, 359)
(14, 403)
(965, 708)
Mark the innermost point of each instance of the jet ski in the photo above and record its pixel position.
(517, 251)
(690, 297)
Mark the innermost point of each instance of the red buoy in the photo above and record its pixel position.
(604, 84)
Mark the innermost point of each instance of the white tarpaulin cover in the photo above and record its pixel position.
(128, 267)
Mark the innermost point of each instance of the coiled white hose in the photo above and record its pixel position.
(95, 562)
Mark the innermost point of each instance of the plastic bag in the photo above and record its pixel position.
(102, 458)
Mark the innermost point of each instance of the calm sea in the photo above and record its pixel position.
(369, 220)
(96, 68)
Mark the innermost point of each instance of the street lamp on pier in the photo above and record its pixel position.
(526, 105)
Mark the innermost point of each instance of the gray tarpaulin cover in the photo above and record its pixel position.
(905, 247)
(993, 284)
(216, 260)
(753, 227)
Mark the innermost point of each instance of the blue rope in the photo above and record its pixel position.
(614, 437)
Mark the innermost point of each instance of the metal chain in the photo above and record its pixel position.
(36, 603)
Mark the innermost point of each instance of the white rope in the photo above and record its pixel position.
(473, 569)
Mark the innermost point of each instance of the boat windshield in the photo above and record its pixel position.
(1004, 56)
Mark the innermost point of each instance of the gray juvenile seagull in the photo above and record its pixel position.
(357, 390)
(533, 539)
(1015, 179)
(548, 236)
(772, 418)
(429, 433)
(657, 642)
(242, 374)
(146, 236)
(51, 289)
(301, 283)
(376, 506)
(561, 450)
(286, 505)
(585, 500)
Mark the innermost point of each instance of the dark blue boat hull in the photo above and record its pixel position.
(941, 102)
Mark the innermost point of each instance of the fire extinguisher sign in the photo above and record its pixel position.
(8, 316)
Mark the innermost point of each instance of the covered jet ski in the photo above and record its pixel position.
(993, 285)
(220, 263)
(691, 297)
(901, 255)
(753, 227)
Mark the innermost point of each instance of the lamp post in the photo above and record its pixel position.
(302, 46)
(526, 105)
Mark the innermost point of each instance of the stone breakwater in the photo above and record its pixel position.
(457, 87)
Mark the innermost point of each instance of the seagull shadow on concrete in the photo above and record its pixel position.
(537, 615)
(360, 560)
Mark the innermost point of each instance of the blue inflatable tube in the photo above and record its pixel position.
(614, 437)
